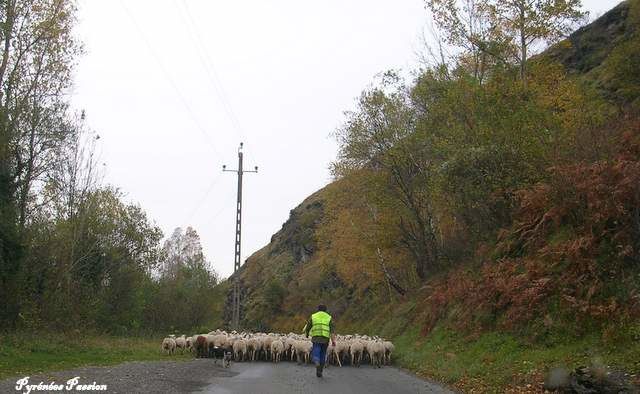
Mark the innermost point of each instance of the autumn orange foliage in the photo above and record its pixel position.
(574, 245)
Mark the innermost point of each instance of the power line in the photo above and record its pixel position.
(201, 201)
(211, 72)
(210, 69)
(167, 75)
(223, 206)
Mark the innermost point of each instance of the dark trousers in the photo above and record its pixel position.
(319, 352)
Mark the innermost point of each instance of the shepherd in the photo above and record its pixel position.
(320, 326)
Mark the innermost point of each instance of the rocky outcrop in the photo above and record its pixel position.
(589, 380)
(265, 275)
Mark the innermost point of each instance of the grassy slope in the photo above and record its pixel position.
(496, 361)
(490, 361)
(21, 355)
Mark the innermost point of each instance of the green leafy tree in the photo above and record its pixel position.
(380, 136)
(37, 51)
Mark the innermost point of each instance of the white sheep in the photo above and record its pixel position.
(333, 354)
(308, 350)
(356, 351)
(169, 345)
(266, 344)
(181, 343)
(253, 345)
(376, 352)
(288, 346)
(388, 349)
(277, 348)
(299, 350)
(342, 349)
(239, 349)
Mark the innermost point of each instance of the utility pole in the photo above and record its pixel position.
(235, 320)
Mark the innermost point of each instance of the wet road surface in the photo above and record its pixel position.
(293, 378)
(203, 375)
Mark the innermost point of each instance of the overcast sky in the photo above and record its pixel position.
(173, 86)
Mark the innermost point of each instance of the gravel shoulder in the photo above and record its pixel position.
(203, 375)
(135, 377)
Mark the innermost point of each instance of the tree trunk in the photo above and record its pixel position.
(390, 279)
(523, 49)
(8, 30)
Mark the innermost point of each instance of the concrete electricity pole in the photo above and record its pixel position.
(235, 320)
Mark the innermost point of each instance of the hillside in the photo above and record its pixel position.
(504, 261)
(267, 277)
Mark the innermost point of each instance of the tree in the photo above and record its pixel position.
(380, 136)
(182, 295)
(504, 30)
(37, 50)
(468, 25)
(182, 249)
(35, 72)
(529, 21)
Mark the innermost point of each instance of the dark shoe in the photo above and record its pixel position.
(319, 371)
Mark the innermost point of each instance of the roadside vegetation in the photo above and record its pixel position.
(74, 253)
(27, 354)
(85, 275)
(497, 360)
(485, 214)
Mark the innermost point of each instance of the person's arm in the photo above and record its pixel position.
(307, 328)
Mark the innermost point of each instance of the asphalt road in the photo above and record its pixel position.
(201, 375)
(289, 377)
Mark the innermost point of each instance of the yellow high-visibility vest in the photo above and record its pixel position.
(320, 324)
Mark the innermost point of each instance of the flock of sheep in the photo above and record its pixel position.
(245, 346)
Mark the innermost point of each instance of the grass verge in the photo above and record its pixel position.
(493, 360)
(22, 355)
(499, 362)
